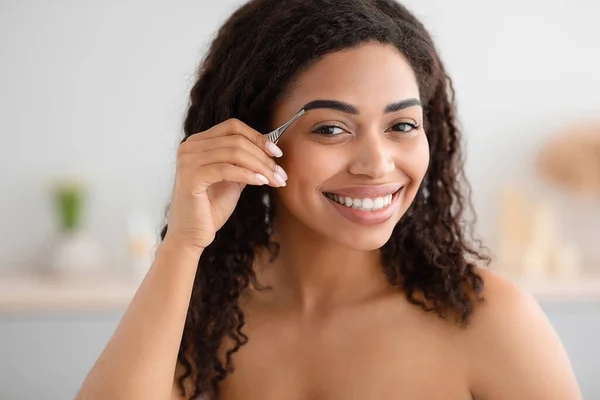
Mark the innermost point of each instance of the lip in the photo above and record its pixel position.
(368, 217)
(368, 191)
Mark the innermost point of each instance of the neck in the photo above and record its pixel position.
(316, 273)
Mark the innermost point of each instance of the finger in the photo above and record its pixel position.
(241, 142)
(242, 158)
(215, 173)
(234, 126)
(235, 141)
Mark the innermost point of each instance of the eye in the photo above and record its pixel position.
(329, 130)
(404, 127)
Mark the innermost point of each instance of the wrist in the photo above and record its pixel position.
(174, 246)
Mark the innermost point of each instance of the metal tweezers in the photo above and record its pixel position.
(276, 134)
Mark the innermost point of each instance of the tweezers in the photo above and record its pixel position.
(276, 134)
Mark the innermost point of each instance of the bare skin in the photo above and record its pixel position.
(373, 346)
(331, 327)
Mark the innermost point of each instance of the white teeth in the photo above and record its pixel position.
(367, 204)
(379, 202)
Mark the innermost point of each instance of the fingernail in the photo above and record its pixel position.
(281, 172)
(279, 179)
(262, 178)
(273, 149)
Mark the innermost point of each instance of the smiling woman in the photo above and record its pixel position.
(352, 280)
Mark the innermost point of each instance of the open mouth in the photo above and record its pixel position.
(364, 204)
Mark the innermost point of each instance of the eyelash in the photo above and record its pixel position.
(317, 130)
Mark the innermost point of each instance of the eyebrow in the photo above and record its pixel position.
(350, 109)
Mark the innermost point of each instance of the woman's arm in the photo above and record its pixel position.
(139, 360)
(514, 353)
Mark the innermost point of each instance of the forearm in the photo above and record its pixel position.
(139, 360)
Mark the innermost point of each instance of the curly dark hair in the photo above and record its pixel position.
(250, 65)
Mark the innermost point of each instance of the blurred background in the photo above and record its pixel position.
(92, 98)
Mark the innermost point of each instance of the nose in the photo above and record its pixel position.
(373, 157)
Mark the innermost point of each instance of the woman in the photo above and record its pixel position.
(352, 280)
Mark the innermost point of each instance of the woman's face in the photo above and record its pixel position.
(363, 142)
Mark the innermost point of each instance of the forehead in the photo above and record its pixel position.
(369, 75)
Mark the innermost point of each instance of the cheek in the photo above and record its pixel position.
(414, 164)
(414, 160)
(422, 158)
(309, 165)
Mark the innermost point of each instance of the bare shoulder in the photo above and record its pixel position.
(513, 352)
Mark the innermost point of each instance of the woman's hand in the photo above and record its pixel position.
(213, 167)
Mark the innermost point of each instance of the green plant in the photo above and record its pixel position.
(68, 198)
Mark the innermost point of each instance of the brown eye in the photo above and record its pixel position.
(404, 127)
(329, 130)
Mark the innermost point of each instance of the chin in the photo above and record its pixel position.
(361, 241)
(358, 238)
